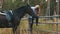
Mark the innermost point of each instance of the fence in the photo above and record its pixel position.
(55, 22)
(37, 31)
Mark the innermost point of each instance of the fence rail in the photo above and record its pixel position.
(23, 31)
(46, 16)
(50, 32)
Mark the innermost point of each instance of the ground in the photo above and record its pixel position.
(43, 28)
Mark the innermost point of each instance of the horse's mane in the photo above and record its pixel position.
(20, 8)
(25, 6)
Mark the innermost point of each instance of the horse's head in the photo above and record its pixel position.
(31, 12)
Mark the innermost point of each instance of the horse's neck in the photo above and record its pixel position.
(16, 16)
(20, 12)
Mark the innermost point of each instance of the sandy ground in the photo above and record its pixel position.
(44, 28)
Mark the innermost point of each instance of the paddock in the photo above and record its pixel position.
(45, 26)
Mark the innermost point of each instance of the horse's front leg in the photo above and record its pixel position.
(15, 28)
(30, 25)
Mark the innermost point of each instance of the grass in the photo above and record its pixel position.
(24, 25)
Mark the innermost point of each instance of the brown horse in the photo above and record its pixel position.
(15, 17)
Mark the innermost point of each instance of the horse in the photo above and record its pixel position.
(15, 17)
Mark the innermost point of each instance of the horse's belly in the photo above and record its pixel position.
(7, 25)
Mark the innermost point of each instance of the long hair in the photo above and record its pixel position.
(38, 9)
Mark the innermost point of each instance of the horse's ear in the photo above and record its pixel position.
(28, 5)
